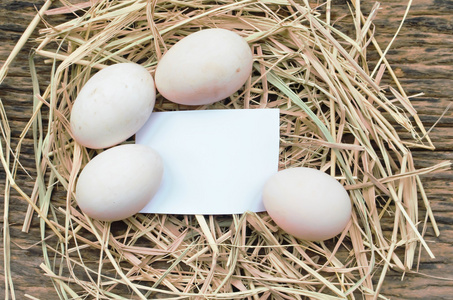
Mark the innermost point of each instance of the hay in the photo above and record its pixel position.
(335, 115)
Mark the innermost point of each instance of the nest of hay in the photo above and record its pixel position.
(336, 115)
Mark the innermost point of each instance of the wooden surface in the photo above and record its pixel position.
(423, 59)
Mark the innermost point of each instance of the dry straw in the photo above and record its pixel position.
(336, 115)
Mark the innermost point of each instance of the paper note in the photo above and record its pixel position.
(215, 161)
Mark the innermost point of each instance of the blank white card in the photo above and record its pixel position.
(215, 161)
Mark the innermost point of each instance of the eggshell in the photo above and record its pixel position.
(307, 203)
(113, 105)
(204, 67)
(119, 182)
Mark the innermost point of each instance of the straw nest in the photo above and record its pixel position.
(336, 115)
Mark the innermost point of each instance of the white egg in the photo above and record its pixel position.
(119, 182)
(113, 105)
(307, 203)
(204, 67)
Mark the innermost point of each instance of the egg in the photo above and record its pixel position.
(307, 203)
(119, 182)
(113, 105)
(204, 67)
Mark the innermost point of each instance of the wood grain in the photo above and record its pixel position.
(421, 56)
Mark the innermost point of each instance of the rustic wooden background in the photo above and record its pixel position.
(422, 57)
